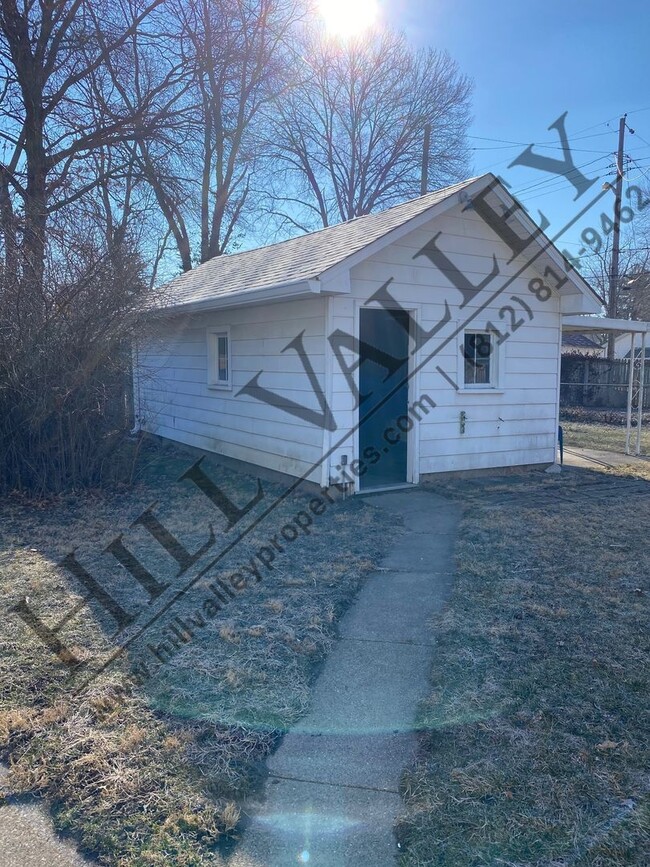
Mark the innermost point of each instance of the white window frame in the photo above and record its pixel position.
(493, 384)
(212, 339)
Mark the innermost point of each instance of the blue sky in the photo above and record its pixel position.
(531, 62)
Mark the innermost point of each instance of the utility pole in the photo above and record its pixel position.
(612, 306)
(425, 160)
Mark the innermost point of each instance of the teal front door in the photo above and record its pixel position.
(384, 406)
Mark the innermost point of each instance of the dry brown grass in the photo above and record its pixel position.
(156, 776)
(119, 781)
(608, 437)
(534, 749)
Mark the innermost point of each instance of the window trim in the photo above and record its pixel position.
(212, 339)
(481, 387)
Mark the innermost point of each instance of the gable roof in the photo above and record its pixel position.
(575, 338)
(293, 267)
(298, 259)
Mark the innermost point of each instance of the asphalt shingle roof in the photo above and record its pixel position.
(302, 258)
(575, 338)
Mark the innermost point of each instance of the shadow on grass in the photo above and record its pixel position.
(157, 776)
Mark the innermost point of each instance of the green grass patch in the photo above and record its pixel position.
(157, 776)
(534, 746)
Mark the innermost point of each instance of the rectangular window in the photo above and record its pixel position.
(219, 358)
(478, 347)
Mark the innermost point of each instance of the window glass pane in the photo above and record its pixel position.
(222, 359)
(476, 351)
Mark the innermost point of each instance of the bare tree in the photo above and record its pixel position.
(348, 138)
(630, 298)
(634, 289)
(71, 279)
(57, 108)
(203, 179)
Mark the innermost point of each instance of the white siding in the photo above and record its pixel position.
(515, 423)
(511, 424)
(177, 403)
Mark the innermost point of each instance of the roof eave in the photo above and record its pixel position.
(276, 293)
(547, 245)
(589, 300)
(604, 323)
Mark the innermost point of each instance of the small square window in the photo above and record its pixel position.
(478, 347)
(219, 358)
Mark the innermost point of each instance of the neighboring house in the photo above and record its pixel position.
(430, 310)
(575, 343)
(622, 346)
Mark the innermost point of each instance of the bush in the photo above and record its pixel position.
(65, 364)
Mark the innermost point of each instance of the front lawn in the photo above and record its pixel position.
(606, 437)
(149, 764)
(534, 745)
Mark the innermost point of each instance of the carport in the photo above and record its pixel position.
(636, 329)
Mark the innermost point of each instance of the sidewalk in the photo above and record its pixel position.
(579, 457)
(332, 795)
(331, 798)
(27, 838)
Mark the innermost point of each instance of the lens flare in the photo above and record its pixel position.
(348, 19)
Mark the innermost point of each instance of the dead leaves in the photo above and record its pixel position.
(606, 746)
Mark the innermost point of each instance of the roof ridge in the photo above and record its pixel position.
(300, 258)
(373, 214)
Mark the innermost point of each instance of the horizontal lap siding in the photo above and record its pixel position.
(517, 426)
(178, 404)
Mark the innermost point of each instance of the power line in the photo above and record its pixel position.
(547, 147)
(506, 144)
(509, 143)
(536, 144)
(555, 179)
(645, 141)
(642, 170)
(601, 123)
(637, 110)
(548, 186)
(558, 182)
(553, 144)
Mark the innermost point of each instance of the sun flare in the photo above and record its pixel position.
(348, 18)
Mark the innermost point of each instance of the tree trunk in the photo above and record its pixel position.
(8, 229)
(29, 74)
(35, 212)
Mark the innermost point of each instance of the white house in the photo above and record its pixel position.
(622, 347)
(444, 314)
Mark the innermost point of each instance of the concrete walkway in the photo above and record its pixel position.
(579, 457)
(27, 838)
(332, 795)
